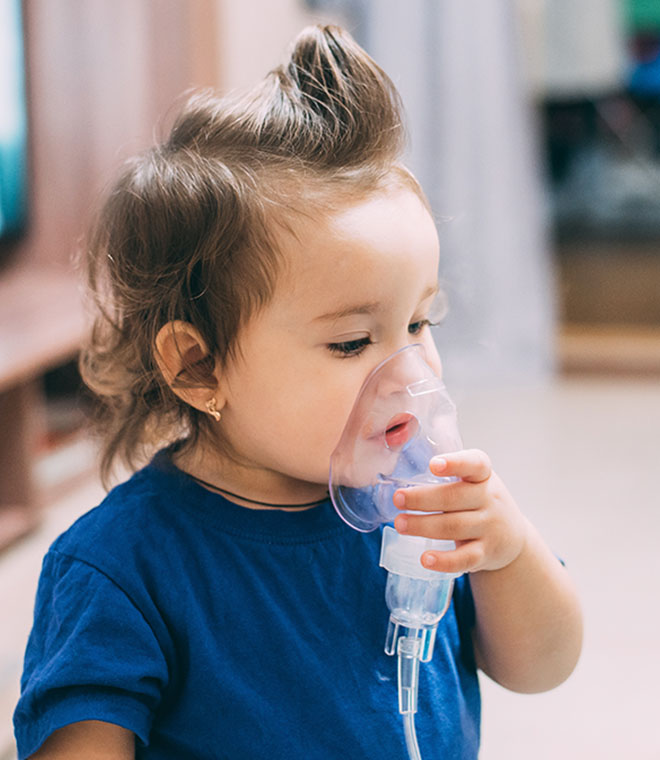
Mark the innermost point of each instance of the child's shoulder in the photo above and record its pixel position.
(132, 518)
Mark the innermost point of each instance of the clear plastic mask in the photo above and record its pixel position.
(402, 417)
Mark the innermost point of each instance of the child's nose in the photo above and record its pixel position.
(397, 381)
(433, 357)
(408, 371)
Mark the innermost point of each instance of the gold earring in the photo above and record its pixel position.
(210, 408)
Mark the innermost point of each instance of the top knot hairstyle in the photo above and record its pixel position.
(187, 231)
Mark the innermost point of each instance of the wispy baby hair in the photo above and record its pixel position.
(187, 232)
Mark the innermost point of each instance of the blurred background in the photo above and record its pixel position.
(535, 129)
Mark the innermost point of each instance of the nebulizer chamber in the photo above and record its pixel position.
(402, 418)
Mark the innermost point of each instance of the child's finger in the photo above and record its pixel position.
(443, 497)
(465, 559)
(471, 465)
(454, 526)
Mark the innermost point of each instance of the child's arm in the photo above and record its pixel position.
(88, 740)
(528, 631)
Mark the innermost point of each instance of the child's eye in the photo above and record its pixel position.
(349, 347)
(415, 328)
(436, 315)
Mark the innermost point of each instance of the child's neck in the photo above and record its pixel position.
(250, 487)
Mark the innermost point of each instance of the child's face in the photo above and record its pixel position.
(355, 287)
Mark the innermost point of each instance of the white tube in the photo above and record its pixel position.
(408, 650)
(411, 736)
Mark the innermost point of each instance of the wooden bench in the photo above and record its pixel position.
(82, 110)
(41, 326)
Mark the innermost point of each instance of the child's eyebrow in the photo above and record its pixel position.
(432, 290)
(348, 311)
(366, 308)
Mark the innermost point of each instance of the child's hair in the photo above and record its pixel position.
(187, 231)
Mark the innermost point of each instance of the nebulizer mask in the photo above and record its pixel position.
(402, 417)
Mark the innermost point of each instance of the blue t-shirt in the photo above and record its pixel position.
(213, 631)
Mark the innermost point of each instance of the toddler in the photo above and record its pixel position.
(249, 273)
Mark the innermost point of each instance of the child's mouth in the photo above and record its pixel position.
(400, 429)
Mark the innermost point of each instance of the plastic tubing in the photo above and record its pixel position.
(411, 736)
(408, 650)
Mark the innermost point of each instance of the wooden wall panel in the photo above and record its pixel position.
(101, 74)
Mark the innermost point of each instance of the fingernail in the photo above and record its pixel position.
(429, 560)
(439, 463)
(401, 524)
(399, 500)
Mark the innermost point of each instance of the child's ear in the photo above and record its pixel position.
(186, 364)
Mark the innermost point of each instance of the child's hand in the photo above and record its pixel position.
(528, 630)
(478, 513)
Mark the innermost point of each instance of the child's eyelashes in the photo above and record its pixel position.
(415, 328)
(354, 347)
(348, 348)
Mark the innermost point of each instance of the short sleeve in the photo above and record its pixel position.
(91, 655)
(464, 602)
(465, 617)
